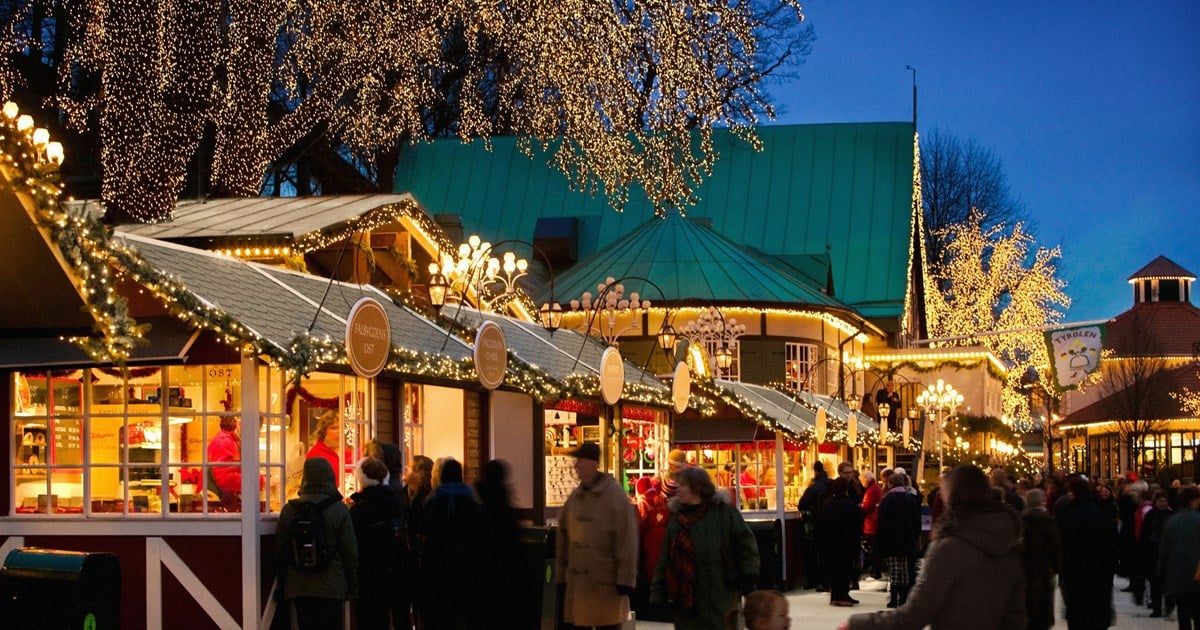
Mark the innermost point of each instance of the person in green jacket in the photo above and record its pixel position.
(709, 558)
(1179, 555)
(317, 597)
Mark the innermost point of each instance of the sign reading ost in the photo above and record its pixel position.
(612, 375)
(368, 337)
(491, 355)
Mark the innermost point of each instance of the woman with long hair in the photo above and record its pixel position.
(972, 575)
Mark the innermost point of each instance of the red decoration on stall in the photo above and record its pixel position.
(638, 413)
(578, 406)
(308, 397)
(827, 447)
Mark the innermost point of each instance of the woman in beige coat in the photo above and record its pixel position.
(596, 548)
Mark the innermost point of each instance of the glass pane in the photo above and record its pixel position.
(223, 476)
(66, 396)
(30, 482)
(184, 490)
(107, 491)
(32, 394)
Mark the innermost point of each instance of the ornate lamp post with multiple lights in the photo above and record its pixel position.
(712, 330)
(937, 398)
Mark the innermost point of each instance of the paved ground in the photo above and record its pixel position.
(812, 610)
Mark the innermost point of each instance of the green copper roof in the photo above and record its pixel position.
(689, 261)
(838, 190)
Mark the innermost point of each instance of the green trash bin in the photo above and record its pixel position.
(538, 596)
(48, 588)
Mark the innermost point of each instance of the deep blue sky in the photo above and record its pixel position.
(1093, 107)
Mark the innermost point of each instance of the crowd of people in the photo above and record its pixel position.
(999, 548)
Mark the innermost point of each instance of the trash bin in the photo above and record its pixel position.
(538, 595)
(48, 588)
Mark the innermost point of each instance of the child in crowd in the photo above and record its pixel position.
(763, 610)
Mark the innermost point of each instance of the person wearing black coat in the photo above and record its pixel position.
(1147, 548)
(377, 516)
(401, 600)
(897, 537)
(817, 488)
(838, 533)
(1041, 558)
(500, 554)
(1089, 558)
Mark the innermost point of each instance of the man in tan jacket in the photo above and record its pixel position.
(596, 547)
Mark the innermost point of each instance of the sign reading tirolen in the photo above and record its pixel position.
(491, 355)
(681, 387)
(612, 375)
(368, 337)
(1074, 353)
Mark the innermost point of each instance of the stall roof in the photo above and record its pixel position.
(791, 415)
(169, 344)
(261, 217)
(837, 409)
(277, 304)
(555, 354)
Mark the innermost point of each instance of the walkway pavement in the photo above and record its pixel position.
(811, 610)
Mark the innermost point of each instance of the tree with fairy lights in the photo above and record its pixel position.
(321, 95)
(1000, 290)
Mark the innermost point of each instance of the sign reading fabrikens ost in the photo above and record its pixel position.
(612, 375)
(368, 337)
(491, 355)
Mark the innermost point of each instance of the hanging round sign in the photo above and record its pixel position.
(368, 337)
(491, 355)
(681, 387)
(883, 435)
(612, 375)
(907, 430)
(822, 422)
(852, 429)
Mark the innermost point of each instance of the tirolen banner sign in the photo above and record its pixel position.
(1074, 353)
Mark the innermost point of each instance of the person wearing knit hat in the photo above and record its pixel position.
(377, 515)
(676, 461)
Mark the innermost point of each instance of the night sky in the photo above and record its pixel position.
(1093, 107)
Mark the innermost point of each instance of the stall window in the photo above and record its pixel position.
(799, 359)
(734, 371)
(645, 443)
(414, 428)
(147, 441)
(746, 470)
(333, 413)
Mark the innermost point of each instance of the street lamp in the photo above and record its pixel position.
(938, 397)
(711, 329)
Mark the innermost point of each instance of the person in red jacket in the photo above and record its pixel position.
(871, 496)
(226, 481)
(325, 440)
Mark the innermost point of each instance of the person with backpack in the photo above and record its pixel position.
(315, 551)
(379, 528)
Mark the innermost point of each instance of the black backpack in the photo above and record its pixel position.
(311, 552)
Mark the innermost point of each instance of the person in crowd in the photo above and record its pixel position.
(1147, 550)
(451, 552)
(972, 575)
(762, 610)
(1000, 480)
(325, 442)
(897, 540)
(1127, 505)
(316, 598)
(1056, 488)
(846, 471)
(750, 488)
(418, 485)
(391, 456)
(872, 494)
(226, 481)
(378, 519)
(653, 515)
(500, 553)
(1137, 567)
(1089, 557)
(1178, 557)
(890, 396)
(596, 546)
(1106, 501)
(817, 488)
(401, 600)
(676, 461)
(709, 558)
(838, 527)
(1041, 558)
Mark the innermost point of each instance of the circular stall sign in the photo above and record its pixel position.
(368, 338)
(612, 375)
(491, 355)
(681, 387)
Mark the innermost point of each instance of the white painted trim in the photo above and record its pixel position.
(251, 567)
(61, 527)
(13, 542)
(268, 616)
(192, 585)
(154, 584)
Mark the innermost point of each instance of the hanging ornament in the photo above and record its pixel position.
(883, 433)
(852, 429)
(822, 419)
(906, 430)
